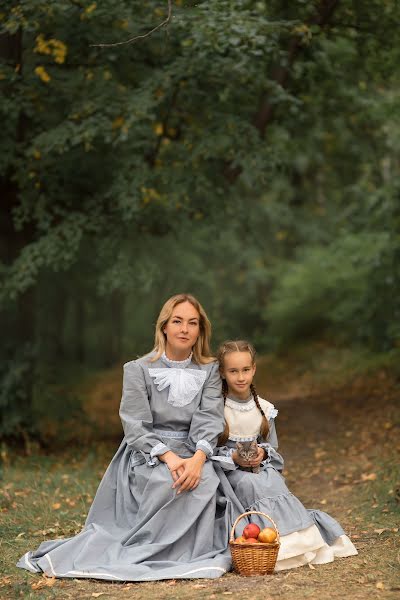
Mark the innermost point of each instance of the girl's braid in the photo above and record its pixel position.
(264, 430)
(223, 438)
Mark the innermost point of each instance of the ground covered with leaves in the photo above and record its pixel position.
(340, 440)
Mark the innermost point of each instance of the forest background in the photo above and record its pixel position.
(247, 153)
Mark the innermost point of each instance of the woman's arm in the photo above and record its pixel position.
(208, 420)
(206, 425)
(136, 417)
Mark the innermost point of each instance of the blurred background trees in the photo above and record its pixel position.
(248, 153)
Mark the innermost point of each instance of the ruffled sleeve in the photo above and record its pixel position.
(136, 417)
(208, 420)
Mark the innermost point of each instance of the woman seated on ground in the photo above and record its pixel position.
(156, 514)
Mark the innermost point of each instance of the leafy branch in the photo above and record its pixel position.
(140, 37)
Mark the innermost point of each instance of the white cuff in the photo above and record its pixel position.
(158, 449)
(205, 446)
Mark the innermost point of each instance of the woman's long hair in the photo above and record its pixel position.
(227, 348)
(201, 349)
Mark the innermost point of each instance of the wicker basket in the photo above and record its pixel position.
(254, 559)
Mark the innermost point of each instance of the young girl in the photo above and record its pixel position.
(307, 536)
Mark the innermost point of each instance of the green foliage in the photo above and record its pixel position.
(248, 153)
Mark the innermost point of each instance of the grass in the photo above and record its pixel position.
(340, 439)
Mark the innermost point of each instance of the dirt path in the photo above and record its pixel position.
(341, 447)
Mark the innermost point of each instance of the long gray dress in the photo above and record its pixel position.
(138, 528)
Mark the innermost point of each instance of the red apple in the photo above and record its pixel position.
(251, 541)
(251, 531)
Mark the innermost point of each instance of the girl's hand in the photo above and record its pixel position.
(249, 463)
(173, 462)
(189, 479)
(255, 462)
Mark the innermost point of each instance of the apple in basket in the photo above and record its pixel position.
(251, 541)
(267, 535)
(251, 531)
(240, 540)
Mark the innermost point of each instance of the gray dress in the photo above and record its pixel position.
(267, 491)
(138, 528)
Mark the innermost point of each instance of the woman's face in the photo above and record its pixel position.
(182, 330)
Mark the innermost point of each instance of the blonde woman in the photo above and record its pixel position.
(155, 514)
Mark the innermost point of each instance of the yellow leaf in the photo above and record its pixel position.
(368, 476)
(56, 505)
(118, 122)
(42, 74)
(380, 585)
(158, 128)
(89, 9)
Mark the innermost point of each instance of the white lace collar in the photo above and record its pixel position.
(241, 406)
(184, 384)
(177, 364)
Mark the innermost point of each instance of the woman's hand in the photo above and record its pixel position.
(254, 462)
(189, 479)
(173, 462)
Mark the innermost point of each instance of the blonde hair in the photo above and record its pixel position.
(201, 349)
(239, 346)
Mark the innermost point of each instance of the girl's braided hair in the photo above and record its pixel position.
(239, 346)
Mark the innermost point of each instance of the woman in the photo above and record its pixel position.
(156, 513)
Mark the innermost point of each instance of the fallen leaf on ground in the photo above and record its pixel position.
(379, 531)
(197, 586)
(311, 566)
(56, 505)
(380, 585)
(368, 476)
(44, 582)
(97, 594)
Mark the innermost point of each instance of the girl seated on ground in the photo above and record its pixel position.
(307, 536)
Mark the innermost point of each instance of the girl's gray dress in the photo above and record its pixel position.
(307, 536)
(138, 528)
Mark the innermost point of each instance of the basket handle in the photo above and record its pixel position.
(252, 512)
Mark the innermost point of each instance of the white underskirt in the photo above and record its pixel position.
(308, 547)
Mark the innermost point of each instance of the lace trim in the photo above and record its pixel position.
(240, 406)
(205, 446)
(178, 364)
(249, 405)
(240, 438)
(184, 384)
(177, 435)
(159, 448)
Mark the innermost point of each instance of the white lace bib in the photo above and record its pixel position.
(184, 384)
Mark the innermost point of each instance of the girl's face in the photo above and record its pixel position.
(181, 330)
(238, 370)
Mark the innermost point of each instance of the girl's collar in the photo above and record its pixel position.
(177, 364)
(241, 405)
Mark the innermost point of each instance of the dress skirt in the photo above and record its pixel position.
(139, 529)
(306, 536)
